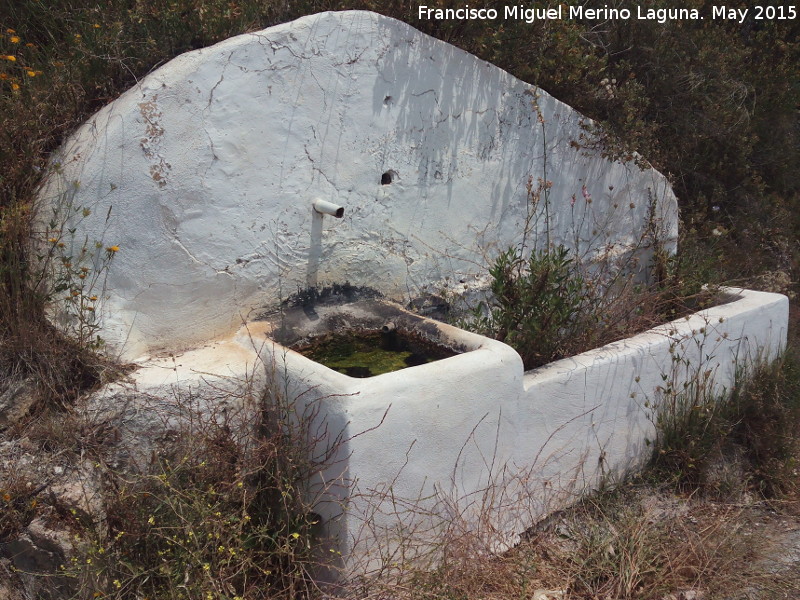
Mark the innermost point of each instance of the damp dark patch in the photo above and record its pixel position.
(337, 293)
(369, 353)
(431, 306)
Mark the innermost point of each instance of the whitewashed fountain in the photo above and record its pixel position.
(218, 181)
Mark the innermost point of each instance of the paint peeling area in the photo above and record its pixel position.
(151, 141)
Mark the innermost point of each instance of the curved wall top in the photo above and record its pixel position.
(204, 176)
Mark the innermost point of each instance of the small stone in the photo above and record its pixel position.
(16, 399)
(39, 551)
(81, 493)
(541, 594)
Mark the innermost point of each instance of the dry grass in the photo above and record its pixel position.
(756, 425)
(637, 543)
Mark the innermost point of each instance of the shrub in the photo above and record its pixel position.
(551, 305)
(537, 304)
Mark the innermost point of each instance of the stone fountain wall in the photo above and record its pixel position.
(204, 174)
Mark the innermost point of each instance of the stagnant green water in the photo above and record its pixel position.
(370, 353)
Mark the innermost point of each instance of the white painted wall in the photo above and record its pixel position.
(204, 174)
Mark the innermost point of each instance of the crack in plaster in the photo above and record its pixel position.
(318, 170)
(430, 91)
(322, 89)
(191, 256)
(221, 79)
(275, 46)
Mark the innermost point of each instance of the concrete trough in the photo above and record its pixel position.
(474, 446)
(469, 447)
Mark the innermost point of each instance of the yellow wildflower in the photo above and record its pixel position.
(9, 30)
(11, 57)
(7, 497)
(3, 76)
(15, 86)
(112, 249)
(96, 26)
(30, 45)
(78, 36)
(30, 73)
(15, 39)
(92, 298)
(53, 240)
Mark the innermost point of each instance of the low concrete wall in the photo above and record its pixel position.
(473, 446)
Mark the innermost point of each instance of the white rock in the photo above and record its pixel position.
(38, 554)
(204, 175)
